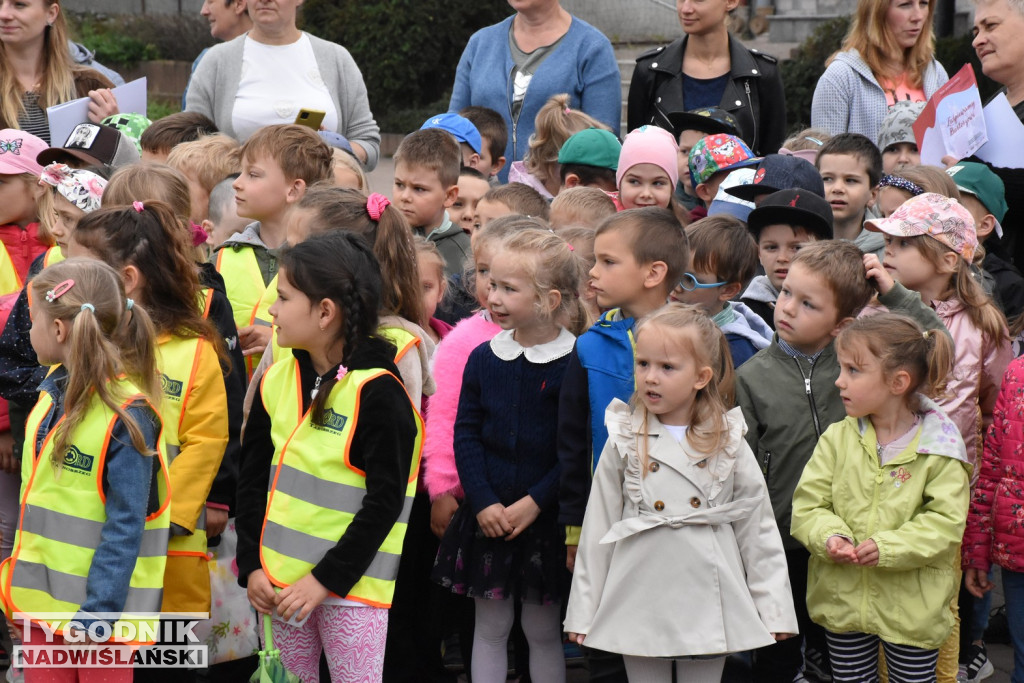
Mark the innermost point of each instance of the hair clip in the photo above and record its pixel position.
(129, 304)
(60, 290)
(900, 183)
(89, 307)
(375, 205)
(342, 371)
(925, 334)
(138, 206)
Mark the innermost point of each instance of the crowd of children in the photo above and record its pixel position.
(659, 402)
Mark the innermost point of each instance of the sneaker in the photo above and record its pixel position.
(978, 664)
(816, 666)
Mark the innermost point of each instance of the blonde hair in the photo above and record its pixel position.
(493, 235)
(690, 326)
(556, 122)
(209, 160)
(930, 179)
(430, 252)
(104, 341)
(870, 36)
(551, 264)
(58, 81)
(807, 139)
(345, 160)
(587, 206)
(978, 306)
(899, 343)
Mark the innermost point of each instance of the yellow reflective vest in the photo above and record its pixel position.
(62, 516)
(313, 498)
(243, 282)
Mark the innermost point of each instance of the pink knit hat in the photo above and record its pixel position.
(649, 145)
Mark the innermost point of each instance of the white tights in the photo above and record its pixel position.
(543, 629)
(654, 670)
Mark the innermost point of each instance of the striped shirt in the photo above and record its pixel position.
(34, 119)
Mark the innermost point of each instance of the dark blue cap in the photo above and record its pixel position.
(780, 172)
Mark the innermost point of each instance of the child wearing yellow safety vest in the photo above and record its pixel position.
(95, 514)
(338, 439)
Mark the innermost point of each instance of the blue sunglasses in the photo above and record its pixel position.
(690, 283)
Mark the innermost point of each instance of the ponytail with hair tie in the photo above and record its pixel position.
(375, 205)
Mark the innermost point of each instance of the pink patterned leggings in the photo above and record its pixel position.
(353, 638)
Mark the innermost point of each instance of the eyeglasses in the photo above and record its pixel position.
(690, 283)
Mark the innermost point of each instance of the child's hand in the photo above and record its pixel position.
(261, 592)
(8, 463)
(867, 554)
(254, 339)
(779, 637)
(216, 521)
(577, 638)
(841, 550)
(14, 630)
(977, 582)
(441, 512)
(570, 557)
(520, 515)
(882, 281)
(492, 521)
(301, 598)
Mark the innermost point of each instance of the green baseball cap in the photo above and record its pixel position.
(980, 181)
(591, 147)
(132, 125)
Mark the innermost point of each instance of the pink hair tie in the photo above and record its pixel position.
(570, 246)
(138, 207)
(375, 205)
(567, 110)
(199, 235)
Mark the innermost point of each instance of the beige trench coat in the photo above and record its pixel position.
(686, 560)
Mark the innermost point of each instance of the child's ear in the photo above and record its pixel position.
(571, 180)
(497, 165)
(730, 291)
(328, 312)
(208, 226)
(450, 195)
(60, 330)
(899, 383)
(840, 326)
(704, 194)
(552, 300)
(985, 228)
(703, 378)
(296, 191)
(950, 261)
(133, 281)
(655, 276)
(874, 196)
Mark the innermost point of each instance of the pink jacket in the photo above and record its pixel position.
(978, 368)
(995, 519)
(441, 477)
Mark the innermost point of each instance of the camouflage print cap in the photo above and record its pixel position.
(898, 124)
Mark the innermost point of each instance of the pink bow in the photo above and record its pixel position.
(375, 205)
(199, 234)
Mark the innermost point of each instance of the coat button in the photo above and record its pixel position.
(654, 467)
(695, 502)
(738, 103)
(753, 71)
(658, 100)
(659, 506)
(654, 65)
(702, 464)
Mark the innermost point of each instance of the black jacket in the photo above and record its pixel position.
(754, 94)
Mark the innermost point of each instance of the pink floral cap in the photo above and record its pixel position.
(934, 215)
(82, 188)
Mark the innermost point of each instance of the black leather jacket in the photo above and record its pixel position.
(754, 93)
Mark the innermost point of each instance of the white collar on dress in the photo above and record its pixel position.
(506, 347)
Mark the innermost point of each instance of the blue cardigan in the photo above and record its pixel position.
(583, 66)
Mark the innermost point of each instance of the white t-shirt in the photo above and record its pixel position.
(678, 432)
(278, 81)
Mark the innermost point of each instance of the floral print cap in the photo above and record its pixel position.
(82, 188)
(934, 215)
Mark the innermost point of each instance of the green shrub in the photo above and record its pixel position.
(407, 50)
(122, 41)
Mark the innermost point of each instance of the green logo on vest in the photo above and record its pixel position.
(334, 422)
(170, 387)
(78, 461)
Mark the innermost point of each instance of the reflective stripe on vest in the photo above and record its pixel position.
(313, 499)
(178, 362)
(243, 282)
(48, 571)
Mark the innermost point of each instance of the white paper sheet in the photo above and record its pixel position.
(131, 99)
(1005, 135)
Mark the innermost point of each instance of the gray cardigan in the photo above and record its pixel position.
(215, 82)
(848, 98)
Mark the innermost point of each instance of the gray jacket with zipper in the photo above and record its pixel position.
(788, 404)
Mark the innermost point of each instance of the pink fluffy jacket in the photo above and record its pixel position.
(441, 477)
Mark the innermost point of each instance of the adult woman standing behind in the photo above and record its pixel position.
(888, 55)
(36, 69)
(514, 66)
(708, 67)
(266, 76)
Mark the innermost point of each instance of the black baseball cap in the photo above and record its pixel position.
(797, 207)
(95, 145)
(781, 172)
(708, 120)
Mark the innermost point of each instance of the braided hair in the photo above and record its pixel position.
(339, 266)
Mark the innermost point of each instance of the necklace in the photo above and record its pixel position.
(879, 446)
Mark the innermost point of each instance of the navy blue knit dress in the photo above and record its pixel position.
(505, 449)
